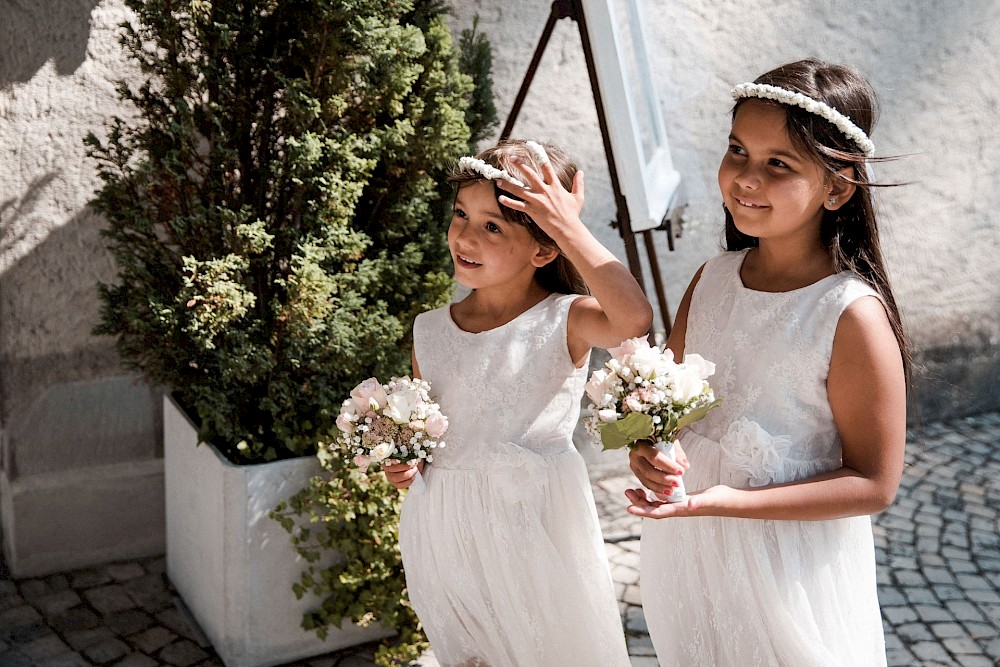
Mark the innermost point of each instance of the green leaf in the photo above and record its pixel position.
(696, 414)
(634, 426)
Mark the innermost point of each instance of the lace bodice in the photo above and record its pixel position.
(502, 547)
(772, 354)
(512, 384)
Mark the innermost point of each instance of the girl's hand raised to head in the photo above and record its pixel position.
(545, 200)
(618, 309)
(401, 475)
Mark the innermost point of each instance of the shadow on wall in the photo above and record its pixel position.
(34, 33)
(52, 370)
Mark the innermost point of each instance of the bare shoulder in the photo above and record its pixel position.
(864, 326)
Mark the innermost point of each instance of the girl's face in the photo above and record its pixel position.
(772, 190)
(487, 250)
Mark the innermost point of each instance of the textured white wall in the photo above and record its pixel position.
(59, 62)
(935, 66)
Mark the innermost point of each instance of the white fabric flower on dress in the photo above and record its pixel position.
(755, 452)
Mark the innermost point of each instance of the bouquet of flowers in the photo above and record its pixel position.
(390, 423)
(643, 394)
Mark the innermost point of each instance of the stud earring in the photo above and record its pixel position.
(831, 201)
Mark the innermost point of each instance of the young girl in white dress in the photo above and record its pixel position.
(504, 559)
(770, 562)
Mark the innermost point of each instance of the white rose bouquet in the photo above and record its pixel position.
(388, 423)
(643, 394)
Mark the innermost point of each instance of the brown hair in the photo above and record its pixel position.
(850, 233)
(559, 275)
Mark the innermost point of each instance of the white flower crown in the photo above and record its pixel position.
(785, 96)
(487, 171)
(491, 173)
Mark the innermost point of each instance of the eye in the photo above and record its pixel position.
(775, 162)
(736, 149)
(459, 213)
(493, 228)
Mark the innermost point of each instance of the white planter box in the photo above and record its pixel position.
(232, 564)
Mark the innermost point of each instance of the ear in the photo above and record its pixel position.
(544, 255)
(840, 190)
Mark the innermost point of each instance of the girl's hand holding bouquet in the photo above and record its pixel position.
(391, 424)
(643, 394)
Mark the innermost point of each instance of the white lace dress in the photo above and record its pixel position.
(747, 593)
(505, 563)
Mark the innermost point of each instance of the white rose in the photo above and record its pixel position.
(646, 360)
(369, 395)
(608, 415)
(436, 425)
(596, 388)
(633, 403)
(627, 348)
(401, 404)
(345, 423)
(703, 367)
(687, 384)
(382, 451)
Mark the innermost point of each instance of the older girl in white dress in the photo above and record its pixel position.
(772, 563)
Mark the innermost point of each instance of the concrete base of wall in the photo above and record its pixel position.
(954, 381)
(53, 522)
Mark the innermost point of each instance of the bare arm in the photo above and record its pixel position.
(617, 308)
(867, 394)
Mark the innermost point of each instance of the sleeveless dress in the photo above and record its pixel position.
(502, 549)
(746, 592)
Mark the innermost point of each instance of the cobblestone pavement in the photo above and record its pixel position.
(937, 547)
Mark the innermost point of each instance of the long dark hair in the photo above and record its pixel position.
(559, 275)
(850, 234)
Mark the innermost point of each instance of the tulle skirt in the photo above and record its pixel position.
(747, 593)
(505, 565)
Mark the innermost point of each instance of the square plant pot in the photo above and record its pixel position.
(232, 564)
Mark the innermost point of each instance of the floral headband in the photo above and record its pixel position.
(491, 173)
(825, 111)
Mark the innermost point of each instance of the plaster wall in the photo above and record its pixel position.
(81, 468)
(934, 66)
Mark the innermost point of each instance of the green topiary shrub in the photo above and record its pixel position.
(356, 515)
(277, 206)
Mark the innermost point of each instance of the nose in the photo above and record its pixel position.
(460, 234)
(747, 177)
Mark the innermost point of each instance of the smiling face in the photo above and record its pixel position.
(772, 189)
(487, 250)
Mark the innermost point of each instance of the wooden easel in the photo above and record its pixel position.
(573, 9)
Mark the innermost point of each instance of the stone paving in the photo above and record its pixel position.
(937, 547)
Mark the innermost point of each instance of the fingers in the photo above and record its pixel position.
(578, 186)
(653, 509)
(401, 475)
(654, 470)
(680, 456)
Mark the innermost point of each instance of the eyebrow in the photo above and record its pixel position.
(775, 153)
(498, 217)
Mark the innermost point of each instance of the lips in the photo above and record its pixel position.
(465, 262)
(746, 203)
